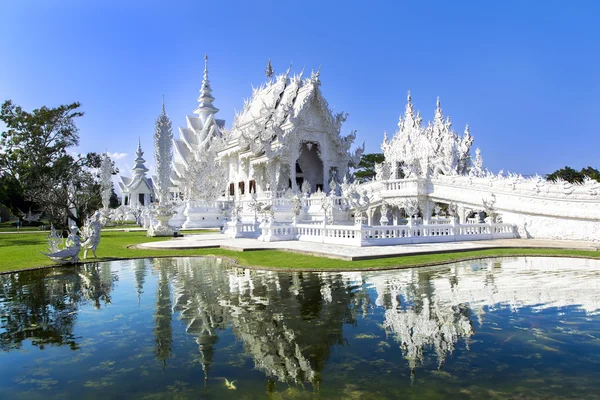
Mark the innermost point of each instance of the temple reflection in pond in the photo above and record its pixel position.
(41, 306)
(298, 328)
(288, 322)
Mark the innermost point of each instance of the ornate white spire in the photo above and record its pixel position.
(269, 71)
(163, 153)
(439, 114)
(139, 168)
(206, 107)
(106, 183)
(409, 113)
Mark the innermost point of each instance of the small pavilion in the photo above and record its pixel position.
(139, 189)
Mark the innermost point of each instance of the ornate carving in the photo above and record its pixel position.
(429, 151)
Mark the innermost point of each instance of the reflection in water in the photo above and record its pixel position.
(41, 306)
(162, 311)
(301, 328)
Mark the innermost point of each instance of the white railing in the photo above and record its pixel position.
(401, 184)
(440, 220)
(357, 235)
(238, 229)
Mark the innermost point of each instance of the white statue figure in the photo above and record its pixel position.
(306, 188)
(296, 205)
(477, 169)
(382, 171)
(411, 207)
(30, 216)
(489, 205)
(92, 234)
(54, 240)
(70, 254)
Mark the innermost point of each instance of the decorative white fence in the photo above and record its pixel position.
(357, 235)
(238, 229)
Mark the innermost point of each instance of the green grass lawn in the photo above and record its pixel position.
(21, 251)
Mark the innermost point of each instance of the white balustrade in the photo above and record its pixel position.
(357, 235)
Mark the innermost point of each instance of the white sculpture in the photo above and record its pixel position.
(430, 151)
(91, 234)
(106, 184)
(163, 147)
(70, 254)
(54, 240)
(30, 216)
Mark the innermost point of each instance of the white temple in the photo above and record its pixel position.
(286, 135)
(283, 172)
(138, 190)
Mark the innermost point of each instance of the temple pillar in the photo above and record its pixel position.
(461, 214)
(325, 177)
(293, 176)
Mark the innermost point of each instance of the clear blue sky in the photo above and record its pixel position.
(524, 74)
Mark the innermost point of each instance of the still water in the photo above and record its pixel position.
(202, 328)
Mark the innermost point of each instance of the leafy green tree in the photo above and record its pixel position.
(114, 199)
(593, 173)
(366, 167)
(573, 176)
(34, 154)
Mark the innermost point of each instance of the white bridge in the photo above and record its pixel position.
(512, 206)
(538, 208)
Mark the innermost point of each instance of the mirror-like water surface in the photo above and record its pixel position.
(202, 328)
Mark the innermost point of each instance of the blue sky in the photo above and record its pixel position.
(523, 74)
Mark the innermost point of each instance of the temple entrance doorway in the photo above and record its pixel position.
(311, 165)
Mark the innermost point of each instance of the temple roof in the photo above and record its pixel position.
(277, 101)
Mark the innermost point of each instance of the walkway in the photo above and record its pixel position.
(352, 253)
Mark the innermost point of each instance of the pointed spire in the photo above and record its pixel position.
(139, 169)
(206, 107)
(438, 118)
(163, 104)
(269, 71)
(409, 112)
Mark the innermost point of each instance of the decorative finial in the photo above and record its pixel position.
(408, 96)
(163, 103)
(206, 67)
(269, 72)
(205, 107)
(318, 72)
(288, 70)
(438, 102)
(139, 151)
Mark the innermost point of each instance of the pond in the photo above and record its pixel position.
(205, 328)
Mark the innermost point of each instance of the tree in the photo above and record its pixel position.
(114, 199)
(573, 176)
(34, 154)
(366, 167)
(593, 173)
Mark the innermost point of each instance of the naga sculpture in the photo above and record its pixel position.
(70, 254)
